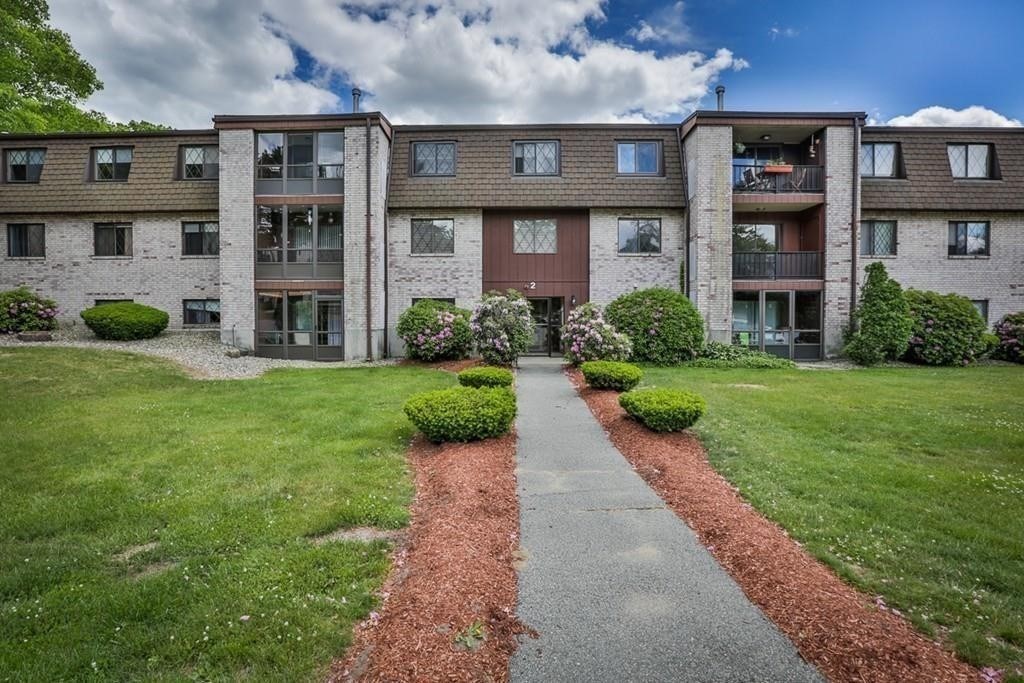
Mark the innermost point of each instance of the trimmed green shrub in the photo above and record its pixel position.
(435, 330)
(462, 413)
(502, 327)
(587, 336)
(882, 322)
(1010, 330)
(610, 374)
(719, 355)
(22, 310)
(991, 343)
(125, 321)
(486, 377)
(947, 329)
(663, 410)
(662, 324)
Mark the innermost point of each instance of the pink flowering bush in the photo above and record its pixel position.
(587, 336)
(502, 327)
(435, 330)
(947, 329)
(663, 325)
(22, 310)
(1010, 331)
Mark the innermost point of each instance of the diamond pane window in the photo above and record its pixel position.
(878, 238)
(968, 239)
(536, 158)
(112, 163)
(977, 161)
(433, 236)
(199, 162)
(200, 239)
(535, 236)
(25, 165)
(112, 239)
(970, 161)
(639, 235)
(641, 158)
(433, 158)
(878, 159)
(201, 311)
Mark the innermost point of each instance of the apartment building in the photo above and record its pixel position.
(306, 236)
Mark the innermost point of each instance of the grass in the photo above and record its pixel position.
(225, 481)
(909, 482)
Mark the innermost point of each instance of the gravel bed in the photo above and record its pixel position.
(199, 352)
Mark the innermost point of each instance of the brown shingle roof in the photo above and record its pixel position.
(64, 186)
(929, 183)
(483, 174)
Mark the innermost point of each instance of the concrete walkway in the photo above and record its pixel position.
(617, 586)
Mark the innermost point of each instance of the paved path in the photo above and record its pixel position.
(619, 588)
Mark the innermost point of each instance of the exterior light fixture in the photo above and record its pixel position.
(766, 137)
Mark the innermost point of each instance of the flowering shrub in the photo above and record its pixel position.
(883, 320)
(22, 310)
(502, 327)
(1010, 331)
(947, 329)
(587, 336)
(663, 325)
(435, 330)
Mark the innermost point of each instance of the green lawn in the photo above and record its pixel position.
(105, 451)
(908, 482)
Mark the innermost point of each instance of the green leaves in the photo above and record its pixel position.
(125, 321)
(462, 413)
(883, 323)
(662, 324)
(664, 410)
(608, 374)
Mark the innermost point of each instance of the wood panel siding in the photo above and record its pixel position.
(565, 273)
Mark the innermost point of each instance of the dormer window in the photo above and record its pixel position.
(970, 161)
(433, 158)
(199, 162)
(878, 159)
(111, 164)
(25, 165)
(539, 157)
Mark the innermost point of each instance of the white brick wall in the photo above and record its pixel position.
(612, 274)
(237, 237)
(156, 274)
(458, 276)
(922, 260)
(839, 233)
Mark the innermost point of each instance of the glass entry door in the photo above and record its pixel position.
(547, 320)
(783, 323)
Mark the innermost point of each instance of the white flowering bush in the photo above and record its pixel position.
(587, 336)
(502, 327)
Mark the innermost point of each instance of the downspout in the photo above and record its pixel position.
(369, 295)
(854, 220)
(387, 197)
(686, 198)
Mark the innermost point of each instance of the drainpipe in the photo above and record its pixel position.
(387, 196)
(686, 251)
(854, 219)
(369, 235)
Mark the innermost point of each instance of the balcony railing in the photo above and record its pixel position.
(786, 179)
(779, 265)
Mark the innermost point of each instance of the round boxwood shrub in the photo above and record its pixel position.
(486, 377)
(586, 335)
(502, 327)
(435, 330)
(947, 329)
(1010, 330)
(663, 410)
(882, 320)
(125, 321)
(610, 374)
(22, 310)
(662, 324)
(462, 413)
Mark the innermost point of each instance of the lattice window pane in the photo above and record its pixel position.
(446, 159)
(977, 238)
(867, 160)
(885, 238)
(424, 159)
(17, 157)
(885, 160)
(535, 237)
(957, 160)
(194, 162)
(977, 161)
(547, 157)
(433, 236)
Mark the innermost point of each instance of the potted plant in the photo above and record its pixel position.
(778, 166)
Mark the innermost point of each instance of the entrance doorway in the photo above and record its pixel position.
(547, 319)
(300, 324)
(784, 323)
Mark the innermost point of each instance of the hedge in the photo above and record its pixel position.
(486, 377)
(125, 321)
(462, 413)
(719, 355)
(609, 374)
(1010, 330)
(663, 325)
(947, 329)
(664, 410)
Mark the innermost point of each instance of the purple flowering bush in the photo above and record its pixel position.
(663, 325)
(502, 327)
(947, 329)
(587, 336)
(1010, 330)
(435, 330)
(22, 310)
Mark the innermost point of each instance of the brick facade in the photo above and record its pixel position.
(613, 274)
(840, 233)
(237, 238)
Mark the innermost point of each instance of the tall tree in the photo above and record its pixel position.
(43, 79)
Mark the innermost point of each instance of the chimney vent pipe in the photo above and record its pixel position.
(356, 93)
(720, 91)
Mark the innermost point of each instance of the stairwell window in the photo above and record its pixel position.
(433, 158)
(535, 236)
(25, 165)
(968, 238)
(112, 239)
(970, 161)
(878, 159)
(26, 240)
(878, 238)
(639, 235)
(111, 164)
(540, 157)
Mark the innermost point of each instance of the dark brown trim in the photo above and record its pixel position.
(299, 284)
(297, 199)
(854, 222)
(5, 137)
(531, 126)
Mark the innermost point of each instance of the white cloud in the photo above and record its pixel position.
(416, 60)
(944, 116)
(777, 32)
(667, 26)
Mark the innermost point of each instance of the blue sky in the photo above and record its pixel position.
(422, 61)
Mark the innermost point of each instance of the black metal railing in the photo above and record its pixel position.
(778, 265)
(782, 178)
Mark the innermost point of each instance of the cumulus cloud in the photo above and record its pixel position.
(664, 26)
(944, 116)
(419, 61)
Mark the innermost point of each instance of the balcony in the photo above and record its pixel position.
(777, 179)
(776, 265)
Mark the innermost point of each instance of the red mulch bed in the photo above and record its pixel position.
(456, 569)
(836, 628)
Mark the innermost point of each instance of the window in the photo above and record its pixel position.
(639, 158)
(535, 158)
(25, 165)
(443, 300)
(26, 240)
(200, 239)
(330, 155)
(112, 239)
(104, 302)
(433, 236)
(754, 238)
(878, 159)
(968, 239)
(433, 158)
(878, 238)
(639, 235)
(981, 305)
(269, 235)
(329, 248)
(201, 311)
(111, 164)
(535, 236)
(270, 318)
(300, 234)
(300, 155)
(200, 162)
(970, 161)
(270, 155)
